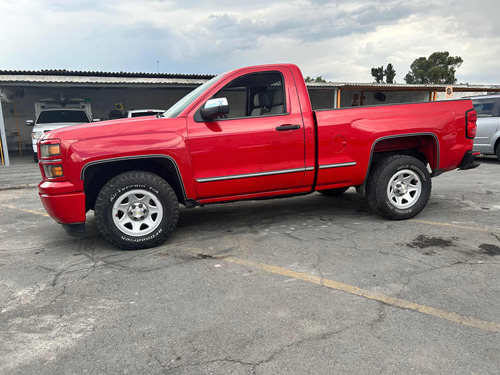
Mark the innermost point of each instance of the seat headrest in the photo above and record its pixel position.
(278, 97)
(261, 100)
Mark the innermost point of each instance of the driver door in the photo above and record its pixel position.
(258, 147)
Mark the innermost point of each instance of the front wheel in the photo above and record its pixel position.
(497, 151)
(398, 187)
(136, 210)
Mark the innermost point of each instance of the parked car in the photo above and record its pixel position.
(487, 139)
(143, 112)
(248, 134)
(51, 114)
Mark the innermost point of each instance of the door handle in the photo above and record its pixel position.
(287, 127)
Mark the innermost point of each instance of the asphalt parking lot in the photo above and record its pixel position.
(304, 285)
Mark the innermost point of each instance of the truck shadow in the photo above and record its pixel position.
(248, 213)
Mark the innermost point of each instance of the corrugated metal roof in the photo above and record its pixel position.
(77, 73)
(89, 80)
(73, 77)
(400, 86)
(68, 77)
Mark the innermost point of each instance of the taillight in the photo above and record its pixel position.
(470, 123)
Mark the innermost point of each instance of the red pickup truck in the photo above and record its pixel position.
(247, 134)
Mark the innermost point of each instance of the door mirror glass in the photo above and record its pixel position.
(214, 108)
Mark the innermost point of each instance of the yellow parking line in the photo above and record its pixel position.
(389, 300)
(24, 210)
(464, 227)
(384, 298)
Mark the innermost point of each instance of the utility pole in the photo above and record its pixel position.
(4, 151)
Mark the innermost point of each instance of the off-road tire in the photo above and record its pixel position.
(398, 187)
(334, 192)
(122, 201)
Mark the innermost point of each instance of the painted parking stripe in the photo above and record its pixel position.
(384, 298)
(389, 300)
(24, 210)
(457, 226)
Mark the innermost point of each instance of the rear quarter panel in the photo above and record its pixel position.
(347, 137)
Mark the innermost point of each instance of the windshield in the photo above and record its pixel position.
(189, 98)
(143, 114)
(51, 117)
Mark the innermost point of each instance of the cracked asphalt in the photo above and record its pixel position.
(304, 285)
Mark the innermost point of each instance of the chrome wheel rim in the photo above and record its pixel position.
(137, 212)
(404, 189)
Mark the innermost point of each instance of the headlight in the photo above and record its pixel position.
(49, 150)
(37, 135)
(53, 170)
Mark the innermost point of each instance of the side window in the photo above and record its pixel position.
(258, 94)
(484, 108)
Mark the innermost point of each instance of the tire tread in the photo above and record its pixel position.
(122, 180)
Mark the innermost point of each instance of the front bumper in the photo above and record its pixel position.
(65, 207)
(468, 161)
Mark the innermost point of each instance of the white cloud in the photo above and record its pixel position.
(339, 40)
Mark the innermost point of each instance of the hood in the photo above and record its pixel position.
(114, 128)
(57, 125)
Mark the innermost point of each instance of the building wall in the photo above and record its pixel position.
(325, 98)
(322, 98)
(102, 100)
(458, 95)
(352, 98)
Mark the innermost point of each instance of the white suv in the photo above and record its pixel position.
(487, 140)
(143, 112)
(55, 118)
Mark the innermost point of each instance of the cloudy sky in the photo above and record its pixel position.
(339, 40)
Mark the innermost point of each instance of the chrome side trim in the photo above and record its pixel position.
(110, 160)
(250, 175)
(338, 165)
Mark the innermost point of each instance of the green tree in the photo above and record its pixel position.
(389, 73)
(439, 68)
(378, 74)
(317, 79)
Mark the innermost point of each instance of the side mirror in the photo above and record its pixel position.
(214, 108)
(30, 123)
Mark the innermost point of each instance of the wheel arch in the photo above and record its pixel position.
(96, 174)
(496, 143)
(423, 146)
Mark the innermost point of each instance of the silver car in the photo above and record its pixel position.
(487, 140)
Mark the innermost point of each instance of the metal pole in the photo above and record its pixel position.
(18, 132)
(4, 139)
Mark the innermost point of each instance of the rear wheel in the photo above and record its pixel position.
(136, 210)
(398, 187)
(497, 151)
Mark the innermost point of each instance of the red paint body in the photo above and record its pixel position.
(247, 158)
